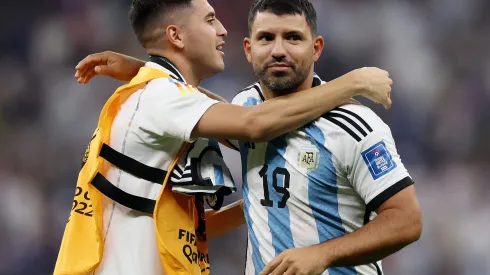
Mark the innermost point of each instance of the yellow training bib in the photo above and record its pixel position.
(179, 219)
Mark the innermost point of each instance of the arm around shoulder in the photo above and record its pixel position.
(286, 113)
(274, 117)
(227, 121)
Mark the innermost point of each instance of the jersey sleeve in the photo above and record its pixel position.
(376, 170)
(172, 109)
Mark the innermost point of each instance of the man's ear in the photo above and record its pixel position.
(247, 47)
(318, 45)
(175, 36)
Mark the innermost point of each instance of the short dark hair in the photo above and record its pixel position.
(143, 14)
(284, 7)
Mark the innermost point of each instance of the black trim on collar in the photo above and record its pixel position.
(167, 64)
(257, 88)
(316, 81)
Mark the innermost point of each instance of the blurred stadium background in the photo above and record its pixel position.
(436, 50)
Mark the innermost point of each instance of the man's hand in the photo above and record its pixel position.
(111, 64)
(298, 261)
(373, 84)
(228, 218)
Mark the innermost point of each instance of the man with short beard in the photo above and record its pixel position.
(311, 195)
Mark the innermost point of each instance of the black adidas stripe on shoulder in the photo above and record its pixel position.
(356, 116)
(356, 121)
(341, 125)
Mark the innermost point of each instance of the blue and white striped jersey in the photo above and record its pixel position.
(319, 182)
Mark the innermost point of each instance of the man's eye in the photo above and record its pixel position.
(294, 37)
(266, 38)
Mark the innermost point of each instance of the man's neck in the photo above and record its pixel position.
(268, 94)
(182, 65)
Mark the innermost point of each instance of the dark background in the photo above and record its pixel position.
(436, 50)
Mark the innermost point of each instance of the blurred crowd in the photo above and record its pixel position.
(437, 52)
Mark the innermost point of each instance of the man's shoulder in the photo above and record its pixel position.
(351, 121)
(251, 94)
(166, 95)
(358, 111)
(169, 86)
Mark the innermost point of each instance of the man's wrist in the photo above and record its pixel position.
(138, 64)
(326, 250)
(357, 82)
(351, 84)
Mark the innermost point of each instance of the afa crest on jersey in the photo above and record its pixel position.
(309, 158)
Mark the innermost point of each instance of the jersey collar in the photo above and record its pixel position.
(168, 66)
(317, 81)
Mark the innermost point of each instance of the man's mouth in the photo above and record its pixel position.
(219, 48)
(279, 67)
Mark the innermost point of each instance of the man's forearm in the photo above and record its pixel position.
(221, 222)
(287, 113)
(387, 233)
(212, 95)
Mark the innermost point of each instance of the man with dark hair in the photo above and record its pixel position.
(310, 195)
(147, 16)
(152, 121)
(283, 7)
(302, 68)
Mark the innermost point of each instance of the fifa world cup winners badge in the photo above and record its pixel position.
(309, 158)
(379, 160)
